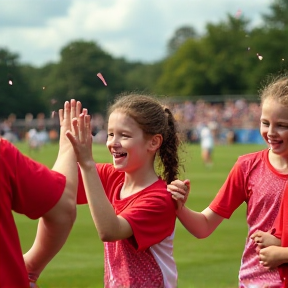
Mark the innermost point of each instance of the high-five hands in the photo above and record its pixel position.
(81, 139)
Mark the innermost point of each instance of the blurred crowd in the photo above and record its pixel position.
(221, 118)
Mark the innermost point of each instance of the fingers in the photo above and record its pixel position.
(174, 190)
(82, 128)
(73, 109)
(61, 115)
(177, 196)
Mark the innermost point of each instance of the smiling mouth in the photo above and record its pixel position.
(119, 155)
(274, 142)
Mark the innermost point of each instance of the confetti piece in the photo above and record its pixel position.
(10, 82)
(53, 101)
(259, 56)
(99, 75)
(282, 59)
(248, 48)
(238, 13)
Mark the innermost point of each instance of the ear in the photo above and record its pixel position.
(155, 142)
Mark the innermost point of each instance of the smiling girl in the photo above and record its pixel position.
(132, 211)
(258, 179)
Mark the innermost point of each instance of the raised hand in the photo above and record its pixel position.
(71, 110)
(81, 140)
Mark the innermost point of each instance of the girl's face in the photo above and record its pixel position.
(126, 143)
(274, 126)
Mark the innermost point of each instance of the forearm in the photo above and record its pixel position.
(55, 226)
(66, 164)
(199, 224)
(51, 236)
(102, 211)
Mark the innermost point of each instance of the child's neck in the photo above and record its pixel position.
(278, 162)
(134, 184)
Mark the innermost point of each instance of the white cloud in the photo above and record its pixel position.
(135, 29)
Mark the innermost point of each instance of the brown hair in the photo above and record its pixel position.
(153, 118)
(277, 90)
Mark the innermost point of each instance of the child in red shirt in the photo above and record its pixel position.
(32, 189)
(132, 211)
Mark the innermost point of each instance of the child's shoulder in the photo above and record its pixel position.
(253, 156)
(252, 160)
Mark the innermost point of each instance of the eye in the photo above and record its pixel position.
(265, 123)
(110, 134)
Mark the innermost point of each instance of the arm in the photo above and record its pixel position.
(200, 224)
(55, 226)
(110, 227)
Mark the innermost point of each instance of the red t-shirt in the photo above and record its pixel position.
(139, 260)
(255, 181)
(280, 230)
(28, 188)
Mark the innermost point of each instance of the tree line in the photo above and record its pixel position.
(229, 58)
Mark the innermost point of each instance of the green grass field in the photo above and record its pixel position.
(202, 263)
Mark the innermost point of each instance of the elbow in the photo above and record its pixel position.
(202, 236)
(70, 212)
(106, 236)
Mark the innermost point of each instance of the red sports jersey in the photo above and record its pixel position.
(280, 230)
(29, 188)
(146, 258)
(255, 181)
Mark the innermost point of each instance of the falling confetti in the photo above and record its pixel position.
(53, 114)
(10, 82)
(282, 59)
(53, 101)
(248, 48)
(259, 56)
(238, 13)
(43, 87)
(99, 75)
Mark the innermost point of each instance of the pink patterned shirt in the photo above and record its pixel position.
(253, 180)
(145, 259)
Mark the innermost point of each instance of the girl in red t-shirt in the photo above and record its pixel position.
(258, 179)
(132, 211)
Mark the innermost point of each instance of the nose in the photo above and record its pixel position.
(113, 142)
(271, 130)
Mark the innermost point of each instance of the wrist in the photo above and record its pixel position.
(87, 165)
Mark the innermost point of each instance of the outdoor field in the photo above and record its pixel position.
(202, 263)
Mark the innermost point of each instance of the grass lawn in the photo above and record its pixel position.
(211, 262)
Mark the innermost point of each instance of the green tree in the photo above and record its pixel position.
(278, 16)
(181, 35)
(16, 94)
(214, 64)
(75, 76)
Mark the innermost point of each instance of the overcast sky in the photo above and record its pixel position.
(134, 29)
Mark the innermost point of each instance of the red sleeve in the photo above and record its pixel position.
(278, 225)
(33, 187)
(152, 218)
(232, 194)
(103, 173)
